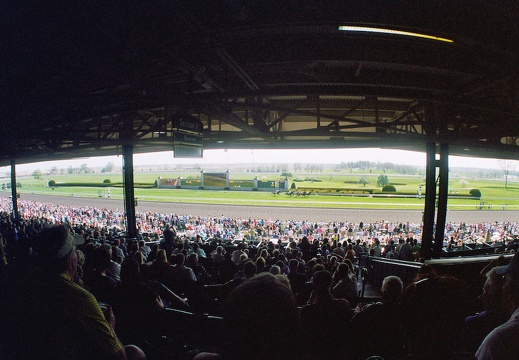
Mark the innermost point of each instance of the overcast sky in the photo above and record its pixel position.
(254, 157)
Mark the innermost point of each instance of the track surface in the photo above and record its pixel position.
(277, 213)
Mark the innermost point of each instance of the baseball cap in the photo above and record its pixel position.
(512, 268)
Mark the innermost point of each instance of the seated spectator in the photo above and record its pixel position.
(237, 254)
(345, 283)
(275, 270)
(144, 249)
(119, 248)
(435, 306)
(66, 321)
(170, 235)
(305, 245)
(200, 272)
(136, 306)
(218, 255)
(381, 321)
(501, 342)
(339, 251)
(405, 251)
(358, 248)
(245, 270)
(153, 253)
(325, 320)
(377, 250)
(478, 326)
(426, 271)
(79, 278)
(350, 255)
(101, 285)
(261, 322)
(141, 260)
(178, 277)
(261, 263)
(158, 266)
(114, 269)
(297, 279)
(196, 249)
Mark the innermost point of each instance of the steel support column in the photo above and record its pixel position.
(14, 194)
(129, 195)
(443, 193)
(430, 199)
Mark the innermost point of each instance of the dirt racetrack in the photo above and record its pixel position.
(278, 213)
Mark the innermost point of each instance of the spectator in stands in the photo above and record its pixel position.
(141, 260)
(261, 263)
(261, 322)
(377, 250)
(196, 249)
(305, 245)
(350, 255)
(144, 249)
(389, 248)
(133, 247)
(435, 306)
(218, 255)
(236, 254)
(501, 343)
(358, 248)
(426, 271)
(66, 321)
(122, 245)
(345, 283)
(381, 321)
(478, 326)
(297, 279)
(416, 247)
(339, 251)
(136, 306)
(405, 251)
(117, 249)
(79, 278)
(169, 239)
(275, 270)
(159, 266)
(114, 269)
(179, 277)
(199, 270)
(325, 320)
(498, 261)
(153, 253)
(102, 286)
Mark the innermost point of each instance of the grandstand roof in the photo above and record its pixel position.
(83, 78)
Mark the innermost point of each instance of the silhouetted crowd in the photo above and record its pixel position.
(73, 287)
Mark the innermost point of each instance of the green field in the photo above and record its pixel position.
(494, 194)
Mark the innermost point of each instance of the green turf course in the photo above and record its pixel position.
(330, 187)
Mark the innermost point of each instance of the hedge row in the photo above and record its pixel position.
(103, 185)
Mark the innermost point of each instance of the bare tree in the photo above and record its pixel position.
(507, 166)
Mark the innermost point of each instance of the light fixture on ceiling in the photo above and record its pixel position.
(391, 32)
